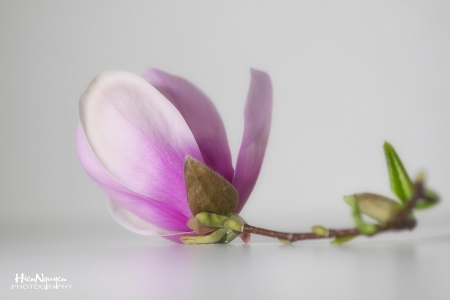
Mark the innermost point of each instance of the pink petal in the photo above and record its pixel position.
(257, 119)
(134, 223)
(138, 136)
(200, 115)
(162, 218)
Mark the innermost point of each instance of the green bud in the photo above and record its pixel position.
(212, 238)
(319, 230)
(236, 217)
(195, 225)
(234, 225)
(375, 206)
(343, 239)
(363, 227)
(367, 229)
(224, 238)
(244, 236)
(286, 242)
(433, 198)
(231, 235)
(211, 220)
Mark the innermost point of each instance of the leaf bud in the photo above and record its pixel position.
(286, 242)
(212, 238)
(342, 239)
(231, 235)
(234, 225)
(211, 220)
(375, 206)
(195, 225)
(320, 231)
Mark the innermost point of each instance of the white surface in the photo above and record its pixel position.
(415, 266)
(347, 75)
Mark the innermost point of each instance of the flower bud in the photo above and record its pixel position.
(208, 191)
(375, 206)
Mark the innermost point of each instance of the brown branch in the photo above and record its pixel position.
(292, 237)
(418, 193)
(402, 221)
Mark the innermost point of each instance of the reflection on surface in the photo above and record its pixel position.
(373, 270)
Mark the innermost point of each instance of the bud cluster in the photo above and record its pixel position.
(214, 221)
(213, 228)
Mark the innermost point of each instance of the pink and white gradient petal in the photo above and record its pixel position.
(200, 115)
(160, 216)
(138, 136)
(135, 224)
(257, 120)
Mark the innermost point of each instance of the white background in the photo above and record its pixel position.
(347, 76)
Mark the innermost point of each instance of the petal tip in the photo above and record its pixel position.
(256, 72)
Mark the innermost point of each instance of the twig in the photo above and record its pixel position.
(402, 221)
(292, 237)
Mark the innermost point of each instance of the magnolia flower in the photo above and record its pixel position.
(136, 133)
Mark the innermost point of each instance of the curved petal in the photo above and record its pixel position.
(139, 226)
(257, 119)
(138, 136)
(201, 116)
(166, 219)
(134, 223)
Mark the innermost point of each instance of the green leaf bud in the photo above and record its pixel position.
(343, 239)
(212, 238)
(401, 184)
(211, 220)
(375, 206)
(319, 230)
(195, 225)
(432, 199)
(286, 242)
(231, 235)
(234, 225)
(364, 228)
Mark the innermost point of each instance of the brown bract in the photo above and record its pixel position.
(207, 191)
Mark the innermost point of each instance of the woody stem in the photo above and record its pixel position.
(292, 237)
(402, 221)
